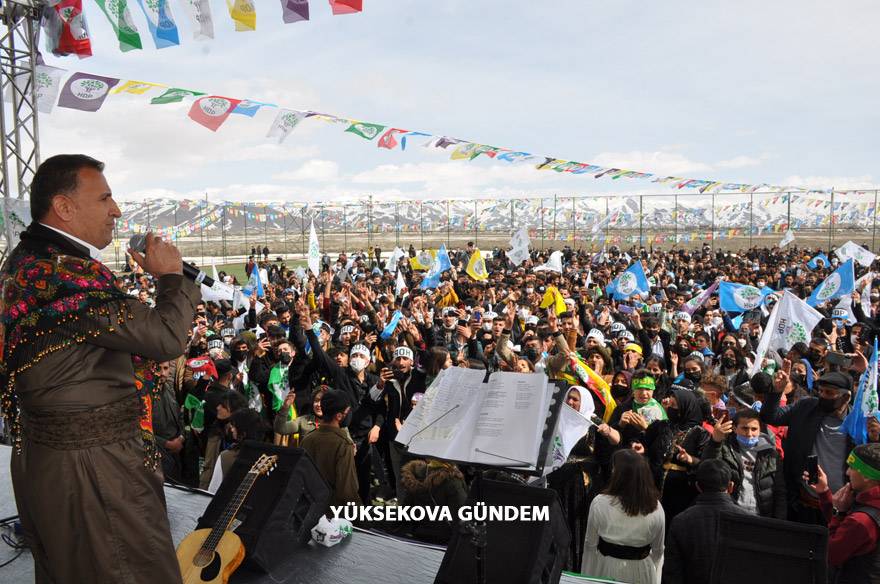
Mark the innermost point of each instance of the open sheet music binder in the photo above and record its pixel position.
(499, 420)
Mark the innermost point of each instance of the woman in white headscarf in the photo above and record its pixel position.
(574, 480)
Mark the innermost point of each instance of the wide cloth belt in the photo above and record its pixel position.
(65, 429)
(623, 552)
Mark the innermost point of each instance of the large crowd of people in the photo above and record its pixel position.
(313, 363)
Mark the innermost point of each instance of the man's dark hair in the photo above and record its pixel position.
(57, 176)
(713, 475)
(746, 414)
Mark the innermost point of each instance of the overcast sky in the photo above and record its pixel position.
(781, 92)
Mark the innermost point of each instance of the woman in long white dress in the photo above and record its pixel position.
(626, 525)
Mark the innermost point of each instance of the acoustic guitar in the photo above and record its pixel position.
(210, 556)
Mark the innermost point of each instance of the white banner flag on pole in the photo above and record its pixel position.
(314, 251)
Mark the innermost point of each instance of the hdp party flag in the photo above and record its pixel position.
(199, 12)
(440, 265)
(850, 249)
(294, 10)
(249, 107)
(314, 251)
(47, 84)
(284, 123)
(791, 321)
(120, 19)
(553, 298)
(160, 20)
(212, 111)
(244, 13)
(476, 267)
(86, 92)
(136, 87)
(388, 140)
(346, 6)
(735, 297)
(66, 29)
(365, 130)
(422, 261)
(632, 281)
(820, 261)
(174, 95)
(839, 283)
(865, 404)
(697, 301)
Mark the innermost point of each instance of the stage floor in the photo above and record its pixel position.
(362, 558)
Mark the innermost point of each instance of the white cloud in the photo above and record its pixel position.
(865, 181)
(740, 162)
(659, 162)
(312, 170)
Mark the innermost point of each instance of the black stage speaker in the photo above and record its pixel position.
(780, 551)
(516, 552)
(280, 510)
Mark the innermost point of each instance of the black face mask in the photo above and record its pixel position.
(531, 354)
(813, 357)
(831, 405)
(619, 391)
(239, 356)
(728, 362)
(694, 376)
(798, 379)
(285, 358)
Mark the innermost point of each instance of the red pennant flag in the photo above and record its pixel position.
(387, 140)
(346, 6)
(212, 111)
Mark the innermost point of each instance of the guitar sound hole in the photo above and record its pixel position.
(209, 570)
(203, 558)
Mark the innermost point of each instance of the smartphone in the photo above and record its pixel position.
(624, 309)
(813, 469)
(720, 414)
(478, 316)
(462, 322)
(835, 358)
(731, 412)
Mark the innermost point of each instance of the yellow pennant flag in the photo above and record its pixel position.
(136, 87)
(553, 298)
(476, 267)
(580, 372)
(244, 13)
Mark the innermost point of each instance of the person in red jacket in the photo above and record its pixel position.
(853, 515)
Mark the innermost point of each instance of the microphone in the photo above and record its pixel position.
(138, 242)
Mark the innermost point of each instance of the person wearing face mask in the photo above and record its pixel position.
(732, 365)
(278, 384)
(756, 467)
(331, 449)
(814, 427)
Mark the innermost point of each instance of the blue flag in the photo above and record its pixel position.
(865, 404)
(820, 261)
(161, 23)
(735, 297)
(392, 325)
(249, 107)
(254, 284)
(632, 281)
(440, 265)
(841, 282)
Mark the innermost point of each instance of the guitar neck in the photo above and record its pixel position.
(229, 513)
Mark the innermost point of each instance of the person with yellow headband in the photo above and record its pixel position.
(853, 515)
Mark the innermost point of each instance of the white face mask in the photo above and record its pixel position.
(854, 339)
(524, 313)
(487, 325)
(742, 343)
(717, 321)
(530, 290)
(358, 364)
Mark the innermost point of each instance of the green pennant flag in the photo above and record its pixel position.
(120, 19)
(174, 95)
(196, 408)
(365, 130)
(279, 384)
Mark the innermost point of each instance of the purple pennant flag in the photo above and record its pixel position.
(692, 305)
(86, 92)
(295, 10)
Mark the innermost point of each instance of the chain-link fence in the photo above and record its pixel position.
(232, 230)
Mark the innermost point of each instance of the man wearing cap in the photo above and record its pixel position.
(331, 448)
(853, 515)
(348, 374)
(814, 427)
(693, 538)
(396, 386)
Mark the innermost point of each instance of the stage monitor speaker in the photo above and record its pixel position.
(781, 551)
(282, 507)
(516, 552)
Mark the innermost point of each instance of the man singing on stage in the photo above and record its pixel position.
(78, 377)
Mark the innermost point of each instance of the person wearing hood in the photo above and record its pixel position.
(815, 426)
(673, 447)
(432, 483)
(756, 467)
(578, 480)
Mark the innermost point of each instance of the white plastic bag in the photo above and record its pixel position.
(330, 532)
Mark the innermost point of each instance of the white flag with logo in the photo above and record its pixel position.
(788, 238)
(863, 285)
(856, 252)
(395, 257)
(400, 285)
(792, 321)
(520, 244)
(314, 251)
(284, 123)
(554, 264)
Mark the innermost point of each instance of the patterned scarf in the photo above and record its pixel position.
(51, 301)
